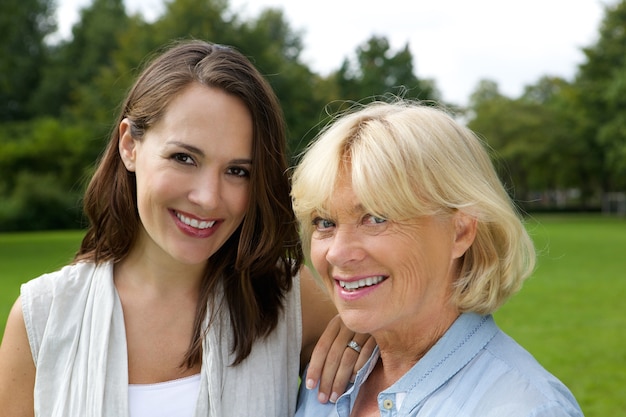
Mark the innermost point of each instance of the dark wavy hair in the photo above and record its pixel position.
(256, 266)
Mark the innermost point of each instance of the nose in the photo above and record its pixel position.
(346, 246)
(206, 191)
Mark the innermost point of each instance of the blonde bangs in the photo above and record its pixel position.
(407, 160)
(379, 173)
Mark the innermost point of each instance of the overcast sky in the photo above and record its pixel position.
(455, 42)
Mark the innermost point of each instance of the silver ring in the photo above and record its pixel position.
(354, 346)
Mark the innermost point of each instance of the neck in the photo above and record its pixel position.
(400, 350)
(157, 275)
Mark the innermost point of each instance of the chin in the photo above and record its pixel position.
(356, 322)
(191, 259)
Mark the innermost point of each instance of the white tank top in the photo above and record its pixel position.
(176, 398)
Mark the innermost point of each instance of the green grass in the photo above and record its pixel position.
(570, 314)
(24, 256)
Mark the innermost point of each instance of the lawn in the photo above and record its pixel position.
(570, 314)
(26, 255)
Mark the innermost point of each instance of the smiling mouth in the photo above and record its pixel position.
(202, 224)
(361, 283)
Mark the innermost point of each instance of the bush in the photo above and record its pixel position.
(39, 202)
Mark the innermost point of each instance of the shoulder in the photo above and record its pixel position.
(68, 277)
(17, 370)
(54, 295)
(511, 375)
(64, 283)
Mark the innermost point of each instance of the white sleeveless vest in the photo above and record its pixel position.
(75, 326)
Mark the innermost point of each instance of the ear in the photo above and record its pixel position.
(127, 145)
(465, 233)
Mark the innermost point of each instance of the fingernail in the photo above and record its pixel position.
(333, 397)
(310, 383)
(353, 378)
(321, 397)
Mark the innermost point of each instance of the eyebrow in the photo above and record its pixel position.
(199, 152)
(186, 146)
(352, 211)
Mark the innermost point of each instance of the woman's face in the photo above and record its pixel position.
(386, 277)
(193, 174)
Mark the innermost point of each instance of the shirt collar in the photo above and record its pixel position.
(467, 336)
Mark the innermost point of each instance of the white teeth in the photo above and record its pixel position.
(194, 222)
(365, 282)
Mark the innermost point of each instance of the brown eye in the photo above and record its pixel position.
(239, 172)
(183, 158)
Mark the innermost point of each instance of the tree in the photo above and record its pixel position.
(42, 168)
(494, 118)
(77, 61)
(25, 24)
(535, 140)
(601, 84)
(563, 162)
(377, 71)
(193, 19)
(275, 49)
(133, 43)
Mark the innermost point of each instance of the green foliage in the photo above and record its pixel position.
(192, 18)
(43, 146)
(558, 135)
(562, 135)
(275, 48)
(41, 174)
(94, 41)
(377, 71)
(601, 81)
(67, 88)
(38, 202)
(87, 76)
(533, 136)
(25, 24)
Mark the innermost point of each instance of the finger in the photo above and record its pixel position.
(334, 358)
(353, 360)
(320, 353)
(366, 351)
(344, 373)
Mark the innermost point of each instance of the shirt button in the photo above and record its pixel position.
(388, 404)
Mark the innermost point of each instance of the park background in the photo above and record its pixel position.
(560, 148)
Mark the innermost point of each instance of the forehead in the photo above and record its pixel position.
(343, 199)
(209, 118)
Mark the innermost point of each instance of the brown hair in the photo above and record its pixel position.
(256, 265)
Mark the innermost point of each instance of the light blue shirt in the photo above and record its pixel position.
(475, 369)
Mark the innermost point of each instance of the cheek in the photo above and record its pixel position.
(319, 249)
(318, 256)
(238, 198)
(153, 187)
(143, 190)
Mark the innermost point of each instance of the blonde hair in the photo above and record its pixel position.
(408, 160)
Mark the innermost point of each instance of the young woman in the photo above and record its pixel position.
(187, 296)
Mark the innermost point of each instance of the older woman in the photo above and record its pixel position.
(416, 240)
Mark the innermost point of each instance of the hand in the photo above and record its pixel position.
(335, 362)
